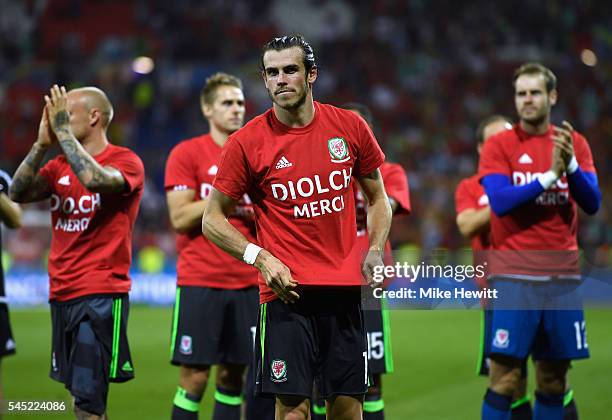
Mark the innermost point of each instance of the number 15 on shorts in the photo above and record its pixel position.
(376, 345)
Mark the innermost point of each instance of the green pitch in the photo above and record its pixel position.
(434, 351)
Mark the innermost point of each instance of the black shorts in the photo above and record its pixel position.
(7, 342)
(213, 326)
(90, 348)
(320, 337)
(378, 330)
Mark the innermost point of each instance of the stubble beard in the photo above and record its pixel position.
(539, 117)
(535, 120)
(294, 105)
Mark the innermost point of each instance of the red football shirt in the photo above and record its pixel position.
(471, 195)
(91, 241)
(192, 164)
(300, 181)
(550, 222)
(396, 185)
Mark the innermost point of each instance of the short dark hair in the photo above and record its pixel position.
(207, 96)
(483, 124)
(536, 68)
(289, 41)
(362, 109)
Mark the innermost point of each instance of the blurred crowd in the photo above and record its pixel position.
(430, 71)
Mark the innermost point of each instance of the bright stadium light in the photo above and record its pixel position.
(588, 57)
(143, 65)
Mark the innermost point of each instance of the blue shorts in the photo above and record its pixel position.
(546, 334)
(483, 365)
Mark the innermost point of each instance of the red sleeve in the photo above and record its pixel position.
(464, 199)
(370, 156)
(583, 153)
(396, 185)
(132, 169)
(180, 171)
(49, 172)
(232, 178)
(493, 159)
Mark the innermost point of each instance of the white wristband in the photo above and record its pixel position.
(573, 165)
(250, 253)
(547, 179)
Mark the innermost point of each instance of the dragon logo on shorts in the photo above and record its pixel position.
(186, 343)
(278, 369)
(502, 338)
(338, 150)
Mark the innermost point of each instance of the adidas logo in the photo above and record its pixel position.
(213, 170)
(65, 180)
(283, 163)
(127, 367)
(525, 158)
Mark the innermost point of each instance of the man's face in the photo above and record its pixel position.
(80, 115)
(285, 77)
(531, 99)
(226, 112)
(493, 128)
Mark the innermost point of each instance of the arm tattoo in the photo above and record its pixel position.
(27, 184)
(91, 174)
(61, 119)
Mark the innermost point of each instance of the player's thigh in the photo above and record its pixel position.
(293, 407)
(230, 376)
(551, 375)
(345, 407)
(505, 373)
(194, 378)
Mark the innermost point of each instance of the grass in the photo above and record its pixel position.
(434, 352)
